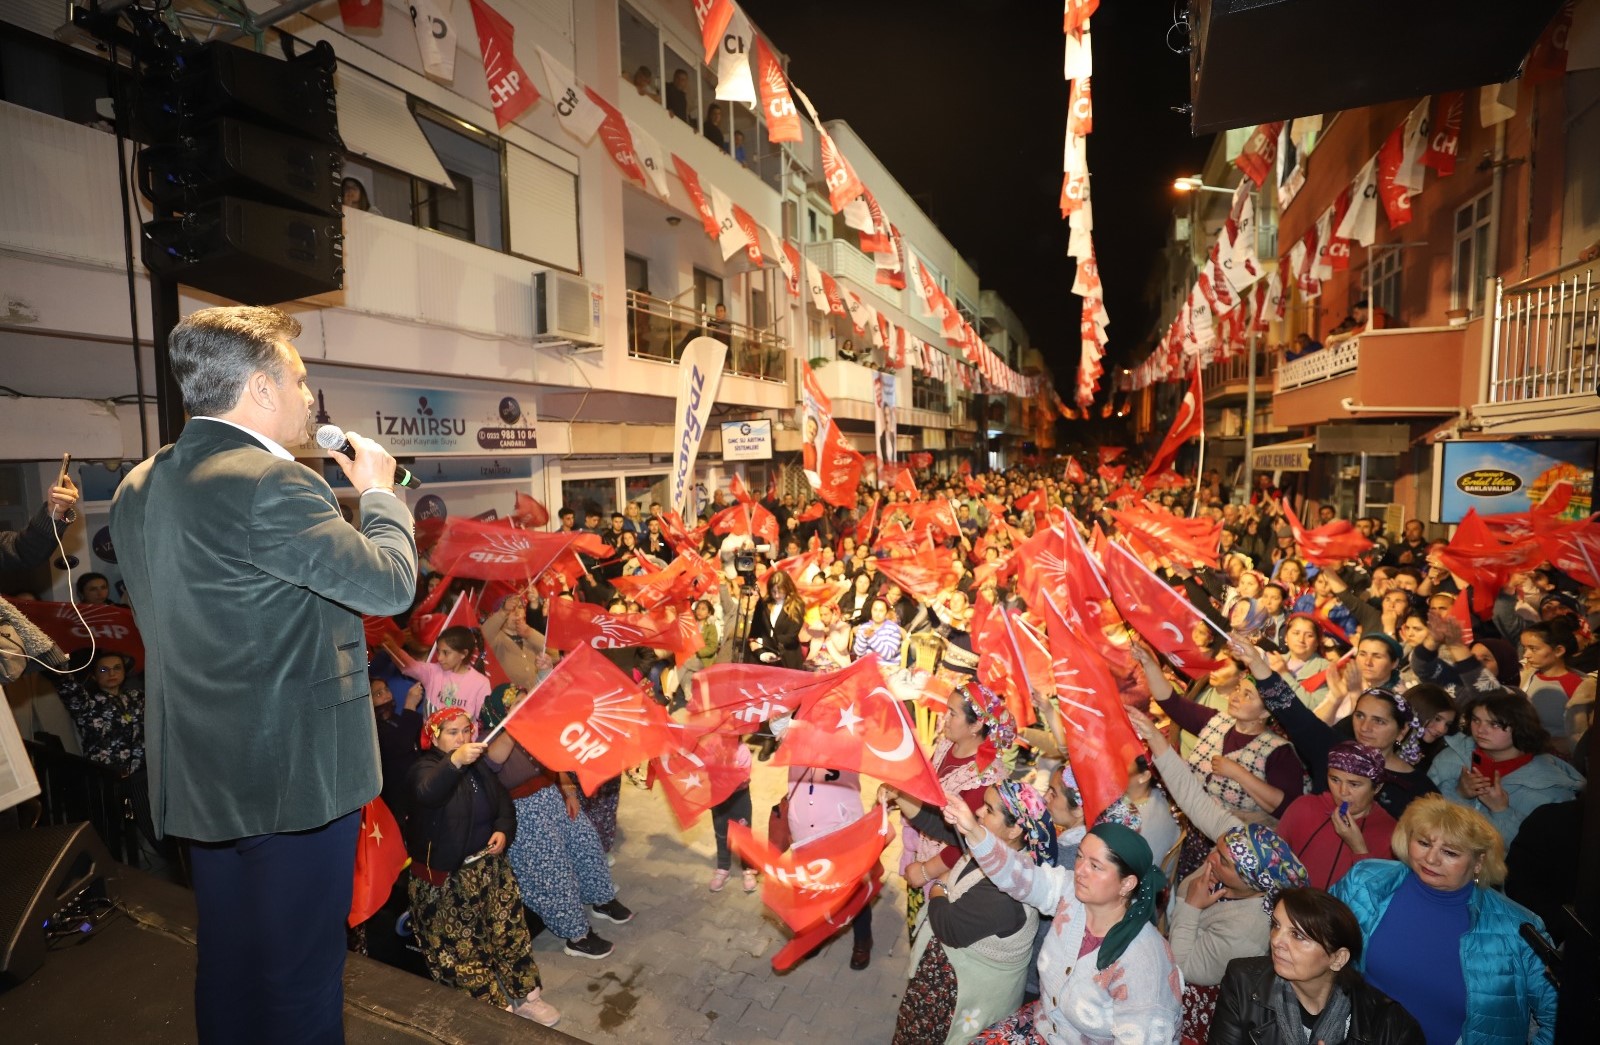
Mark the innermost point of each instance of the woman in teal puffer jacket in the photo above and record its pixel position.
(1440, 940)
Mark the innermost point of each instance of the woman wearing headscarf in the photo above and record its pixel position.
(977, 728)
(1382, 719)
(1219, 912)
(1105, 974)
(464, 898)
(1333, 828)
(1307, 988)
(1441, 941)
(972, 947)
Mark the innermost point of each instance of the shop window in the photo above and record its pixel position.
(584, 495)
(1469, 259)
(645, 490)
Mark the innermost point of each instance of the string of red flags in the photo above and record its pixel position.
(1076, 208)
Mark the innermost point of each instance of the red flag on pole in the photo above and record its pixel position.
(589, 718)
(698, 771)
(1480, 558)
(857, 724)
(804, 943)
(809, 882)
(783, 120)
(1163, 616)
(575, 624)
(529, 513)
(112, 627)
(1330, 544)
(685, 579)
(494, 551)
(924, 574)
(511, 90)
(1100, 740)
(1188, 542)
(1189, 423)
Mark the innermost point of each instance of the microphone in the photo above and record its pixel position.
(331, 437)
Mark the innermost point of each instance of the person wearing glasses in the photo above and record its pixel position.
(1503, 768)
(108, 711)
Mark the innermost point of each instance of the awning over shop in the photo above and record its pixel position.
(1282, 457)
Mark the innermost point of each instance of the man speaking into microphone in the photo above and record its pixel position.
(248, 586)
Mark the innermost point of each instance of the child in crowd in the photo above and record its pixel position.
(451, 681)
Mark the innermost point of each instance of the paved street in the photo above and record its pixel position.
(696, 965)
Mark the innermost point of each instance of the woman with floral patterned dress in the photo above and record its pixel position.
(108, 713)
(974, 944)
(976, 729)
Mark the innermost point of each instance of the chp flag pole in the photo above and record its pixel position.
(699, 373)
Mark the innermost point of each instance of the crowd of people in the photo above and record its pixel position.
(1337, 833)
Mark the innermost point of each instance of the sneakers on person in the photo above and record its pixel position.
(589, 946)
(537, 1009)
(750, 881)
(613, 911)
(719, 878)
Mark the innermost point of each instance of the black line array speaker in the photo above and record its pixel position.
(250, 252)
(49, 876)
(244, 163)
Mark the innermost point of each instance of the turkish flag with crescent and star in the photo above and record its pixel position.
(856, 723)
(806, 884)
(1188, 542)
(805, 943)
(1189, 423)
(1163, 616)
(588, 718)
(697, 771)
(1093, 725)
(574, 624)
(380, 857)
(495, 551)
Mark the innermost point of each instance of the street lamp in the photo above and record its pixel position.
(1194, 184)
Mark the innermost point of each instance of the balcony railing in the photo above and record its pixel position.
(1320, 365)
(837, 257)
(659, 329)
(1237, 370)
(1546, 336)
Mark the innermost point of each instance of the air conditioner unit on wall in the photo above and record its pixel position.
(565, 308)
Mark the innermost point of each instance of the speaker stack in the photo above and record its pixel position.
(245, 157)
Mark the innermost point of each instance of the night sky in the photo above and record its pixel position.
(964, 102)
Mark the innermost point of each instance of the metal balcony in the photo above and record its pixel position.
(660, 329)
(1545, 336)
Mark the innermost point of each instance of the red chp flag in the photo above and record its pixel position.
(1099, 739)
(587, 717)
(1396, 199)
(806, 884)
(1172, 537)
(922, 575)
(691, 184)
(737, 698)
(1574, 549)
(1444, 132)
(783, 120)
(1328, 545)
(714, 16)
(832, 465)
(529, 513)
(618, 140)
(1258, 159)
(380, 857)
(575, 624)
(1481, 559)
(685, 579)
(112, 626)
(1112, 474)
(804, 944)
(494, 551)
(511, 90)
(361, 14)
(1163, 616)
(1189, 423)
(1075, 472)
(856, 723)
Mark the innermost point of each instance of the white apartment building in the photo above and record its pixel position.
(503, 278)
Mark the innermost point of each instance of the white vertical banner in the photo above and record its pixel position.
(436, 37)
(699, 374)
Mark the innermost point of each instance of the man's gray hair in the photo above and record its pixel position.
(215, 350)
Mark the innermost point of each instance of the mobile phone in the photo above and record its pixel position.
(1477, 763)
(66, 462)
(475, 857)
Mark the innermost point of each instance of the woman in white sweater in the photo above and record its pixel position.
(1105, 974)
